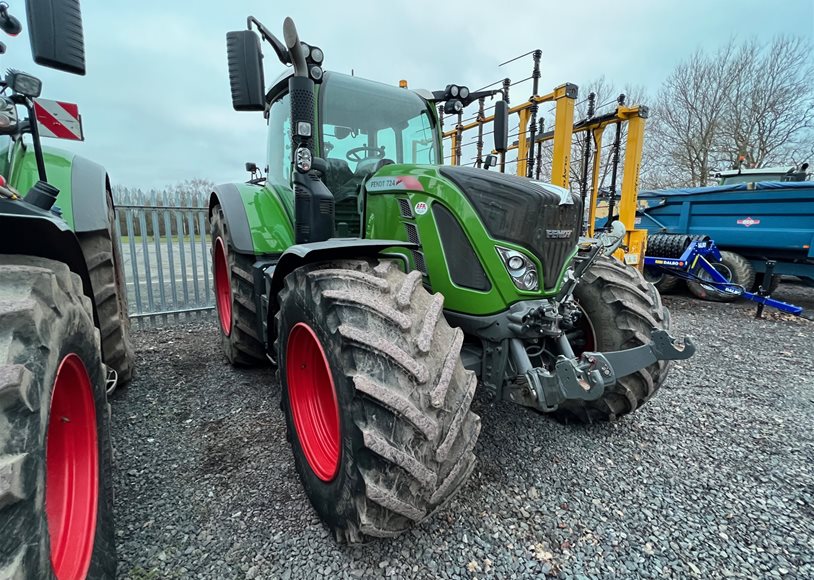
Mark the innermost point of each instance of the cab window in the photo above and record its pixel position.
(279, 142)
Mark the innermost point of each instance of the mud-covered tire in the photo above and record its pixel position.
(621, 309)
(101, 251)
(44, 318)
(736, 269)
(239, 333)
(406, 434)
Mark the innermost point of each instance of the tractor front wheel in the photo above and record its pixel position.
(234, 297)
(620, 311)
(376, 400)
(101, 251)
(55, 459)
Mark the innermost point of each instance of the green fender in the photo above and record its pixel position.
(82, 184)
(260, 218)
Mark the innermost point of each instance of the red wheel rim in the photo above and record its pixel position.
(312, 396)
(72, 470)
(223, 291)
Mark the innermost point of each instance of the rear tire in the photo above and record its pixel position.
(735, 268)
(101, 250)
(622, 309)
(234, 296)
(46, 325)
(405, 437)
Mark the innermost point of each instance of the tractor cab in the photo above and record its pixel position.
(363, 126)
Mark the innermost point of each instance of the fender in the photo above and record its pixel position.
(227, 195)
(89, 190)
(31, 231)
(258, 217)
(301, 254)
(83, 185)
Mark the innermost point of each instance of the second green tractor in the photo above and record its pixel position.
(386, 288)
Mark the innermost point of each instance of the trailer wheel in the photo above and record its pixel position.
(735, 268)
(55, 458)
(234, 298)
(376, 400)
(621, 309)
(664, 282)
(101, 251)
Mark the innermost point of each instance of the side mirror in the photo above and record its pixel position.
(55, 28)
(246, 71)
(501, 126)
(490, 161)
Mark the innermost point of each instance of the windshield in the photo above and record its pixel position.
(753, 177)
(364, 121)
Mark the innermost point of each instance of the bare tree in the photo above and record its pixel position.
(746, 99)
(689, 116)
(196, 188)
(770, 110)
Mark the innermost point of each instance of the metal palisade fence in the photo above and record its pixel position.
(165, 250)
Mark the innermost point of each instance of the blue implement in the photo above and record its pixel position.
(699, 257)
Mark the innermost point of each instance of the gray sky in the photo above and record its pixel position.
(155, 102)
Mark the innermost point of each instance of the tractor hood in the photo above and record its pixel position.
(539, 216)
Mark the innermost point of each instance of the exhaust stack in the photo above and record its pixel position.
(313, 201)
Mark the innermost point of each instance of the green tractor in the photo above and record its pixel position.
(64, 334)
(386, 288)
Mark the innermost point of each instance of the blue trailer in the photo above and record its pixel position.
(761, 222)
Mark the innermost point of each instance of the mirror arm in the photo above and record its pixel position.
(480, 94)
(35, 136)
(265, 34)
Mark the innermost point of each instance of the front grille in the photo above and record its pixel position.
(404, 208)
(418, 258)
(554, 251)
(463, 264)
(412, 233)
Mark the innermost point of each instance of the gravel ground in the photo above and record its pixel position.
(713, 478)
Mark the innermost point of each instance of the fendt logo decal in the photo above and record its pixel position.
(58, 120)
(395, 182)
(421, 208)
(558, 234)
(748, 222)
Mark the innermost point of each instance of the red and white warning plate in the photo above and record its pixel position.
(58, 120)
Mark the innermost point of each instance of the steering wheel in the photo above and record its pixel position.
(373, 153)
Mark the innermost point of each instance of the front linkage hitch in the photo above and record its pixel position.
(586, 377)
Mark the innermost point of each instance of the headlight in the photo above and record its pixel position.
(317, 55)
(24, 84)
(304, 159)
(515, 263)
(521, 269)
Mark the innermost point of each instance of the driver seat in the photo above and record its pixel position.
(347, 205)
